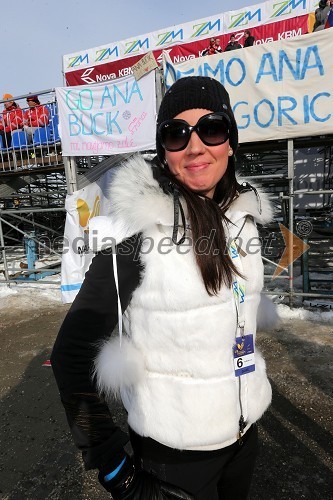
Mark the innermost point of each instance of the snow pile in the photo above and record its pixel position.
(32, 296)
(300, 313)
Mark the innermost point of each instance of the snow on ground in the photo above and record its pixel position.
(285, 312)
(31, 296)
(39, 295)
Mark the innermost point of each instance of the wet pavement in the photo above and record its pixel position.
(37, 457)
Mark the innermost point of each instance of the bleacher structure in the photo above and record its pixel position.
(35, 179)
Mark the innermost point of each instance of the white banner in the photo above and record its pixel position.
(105, 119)
(81, 206)
(254, 15)
(279, 90)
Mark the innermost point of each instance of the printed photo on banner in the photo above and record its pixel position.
(81, 206)
(278, 90)
(109, 118)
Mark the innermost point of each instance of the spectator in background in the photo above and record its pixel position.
(36, 116)
(218, 47)
(321, 14)
(213, 48)
(12, 119)
(249, 39)
(233, 44)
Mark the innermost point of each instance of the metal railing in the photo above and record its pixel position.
(25, 147)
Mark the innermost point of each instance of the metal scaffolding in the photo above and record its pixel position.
(298, 174)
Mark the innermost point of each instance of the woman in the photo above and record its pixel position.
(12, 119)
(186, 246)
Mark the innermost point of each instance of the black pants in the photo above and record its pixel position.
(6, 138)
(225, 476)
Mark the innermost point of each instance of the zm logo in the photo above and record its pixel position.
(243, 18)
(239, 291)
(169, 36)
(205, 28)
(286, 7)
(78, 60)
(233, 250)
(103, 54)
(136, 45)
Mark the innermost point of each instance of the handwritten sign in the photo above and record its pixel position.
(109, 118)
(146, 64)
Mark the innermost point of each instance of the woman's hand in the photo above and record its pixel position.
(133, 484)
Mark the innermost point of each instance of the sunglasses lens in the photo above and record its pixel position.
(174, 135)
(213, 130)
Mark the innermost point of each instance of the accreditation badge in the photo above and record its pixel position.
(244, 355)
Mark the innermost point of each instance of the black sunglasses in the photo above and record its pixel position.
(213, 130)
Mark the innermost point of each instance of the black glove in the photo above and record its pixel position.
(136, 484)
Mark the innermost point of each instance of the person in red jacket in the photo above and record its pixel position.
(35, 116)
(213, 48)
(12, 119)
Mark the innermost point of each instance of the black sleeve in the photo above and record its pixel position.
(92, 317)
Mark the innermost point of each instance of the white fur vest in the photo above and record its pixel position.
(174, 369)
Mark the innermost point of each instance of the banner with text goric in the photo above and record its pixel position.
(280, 90)
(109, 118)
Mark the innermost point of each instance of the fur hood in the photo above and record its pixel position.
(138, 202)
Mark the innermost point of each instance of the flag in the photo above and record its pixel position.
(329, 22)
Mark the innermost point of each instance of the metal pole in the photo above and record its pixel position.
(70, 172)
(2, 242)
(17, 282)
(40, 193)
(323, 191)
(31, 210)
(263, 176)
(23, 96)
(291, 174)
(299, 294)
(158, 87)
(305, 269)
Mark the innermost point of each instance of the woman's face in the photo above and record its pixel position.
(198, 166)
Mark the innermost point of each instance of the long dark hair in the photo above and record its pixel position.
(206, 217)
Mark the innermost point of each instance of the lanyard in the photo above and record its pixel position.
(238, 288)
(120, 313)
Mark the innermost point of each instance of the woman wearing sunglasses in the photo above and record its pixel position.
(187, 276)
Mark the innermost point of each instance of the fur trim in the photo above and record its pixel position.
(137, 198)
(267, 315)
(117, 367)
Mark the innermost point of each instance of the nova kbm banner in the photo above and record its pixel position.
(279, 90)
(110, 118)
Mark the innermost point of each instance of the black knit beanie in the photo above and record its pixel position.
(196, 92)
